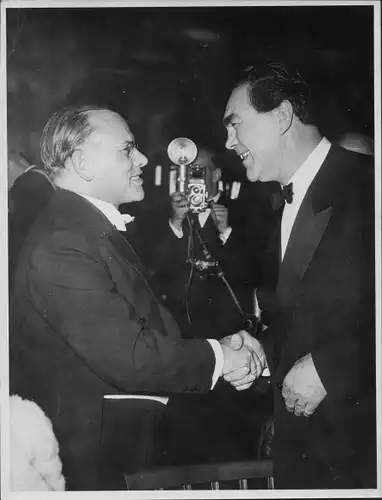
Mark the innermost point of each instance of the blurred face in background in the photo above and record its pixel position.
(213, 174)
(112, 161)
(254, 136)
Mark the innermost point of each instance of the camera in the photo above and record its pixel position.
(196, 188)
(192, 177)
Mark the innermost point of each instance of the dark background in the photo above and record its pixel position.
(169, 71)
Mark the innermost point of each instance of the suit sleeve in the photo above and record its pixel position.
(73, 289)
(344, 357)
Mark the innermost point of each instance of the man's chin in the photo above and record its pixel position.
(252, 176)
(135, 196)
(140, 195)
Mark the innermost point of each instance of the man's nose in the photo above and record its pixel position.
(231, 141)
(140, 159)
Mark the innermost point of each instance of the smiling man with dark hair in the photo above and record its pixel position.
(318, 309)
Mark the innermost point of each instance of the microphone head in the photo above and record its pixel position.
(182, 151)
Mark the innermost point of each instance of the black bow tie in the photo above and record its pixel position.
(284, 195)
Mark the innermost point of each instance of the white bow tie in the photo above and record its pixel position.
(127, 218)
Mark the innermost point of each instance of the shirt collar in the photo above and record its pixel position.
(110, 212)
(304, 176)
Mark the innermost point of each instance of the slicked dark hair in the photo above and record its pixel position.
(67, 129)
(271, 83)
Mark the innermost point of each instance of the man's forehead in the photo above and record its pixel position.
(237, 103)
(108, 123)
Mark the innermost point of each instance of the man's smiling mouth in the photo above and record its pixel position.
(244, 155)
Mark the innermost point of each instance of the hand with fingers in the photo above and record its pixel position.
(242, 377)
(302, 388)
(180, 207)
(219, 214)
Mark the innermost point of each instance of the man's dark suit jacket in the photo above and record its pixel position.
(324, 304)
(84, 324)
(213, 312)
(29, 195)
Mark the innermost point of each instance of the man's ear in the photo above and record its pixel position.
(285, 116)
(81, 167)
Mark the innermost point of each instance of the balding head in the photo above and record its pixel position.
(64, 132)
(92, 151)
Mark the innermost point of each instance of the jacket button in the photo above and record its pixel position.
(142, 321)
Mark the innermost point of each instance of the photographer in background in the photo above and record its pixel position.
(184, 262)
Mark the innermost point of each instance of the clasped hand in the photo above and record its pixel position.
(244, 359)
(302, 388)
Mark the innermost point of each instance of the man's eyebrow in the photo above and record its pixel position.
(228, 119)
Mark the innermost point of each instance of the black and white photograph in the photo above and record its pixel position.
(191, 248)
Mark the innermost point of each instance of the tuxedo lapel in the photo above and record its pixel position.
(308, 229)
(305, 237)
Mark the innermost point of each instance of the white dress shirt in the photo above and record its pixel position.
(110, 212)
(301, 180)
(119, 221)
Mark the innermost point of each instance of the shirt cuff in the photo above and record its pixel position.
(219, 360)
(178, 232)
(224, 236)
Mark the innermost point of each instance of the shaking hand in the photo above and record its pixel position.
(242, 369)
